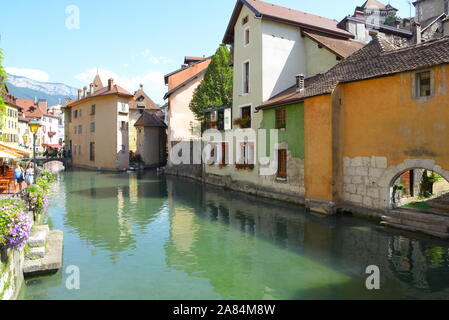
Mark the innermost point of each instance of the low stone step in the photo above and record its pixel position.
(434, 211)
(417, 224)
(52, 261)
(437, 204)
(441, 235)
(419, 216)
(36, 253)
(38, 239)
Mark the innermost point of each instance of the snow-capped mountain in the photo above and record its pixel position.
(26, 88)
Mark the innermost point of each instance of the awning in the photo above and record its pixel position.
(7, 147)
(6, 155)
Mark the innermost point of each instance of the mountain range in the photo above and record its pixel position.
(25, 88)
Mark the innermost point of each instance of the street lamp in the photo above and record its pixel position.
(34, 127)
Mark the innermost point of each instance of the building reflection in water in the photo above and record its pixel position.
(103, 208)
(316, 257)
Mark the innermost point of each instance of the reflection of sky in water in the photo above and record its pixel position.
(141, 236)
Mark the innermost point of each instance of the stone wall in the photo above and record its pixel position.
(294, 183)
(368, 181)
(361, 176)
(11, 274)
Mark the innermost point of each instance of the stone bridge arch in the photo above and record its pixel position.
(65, 161)
(391, 174)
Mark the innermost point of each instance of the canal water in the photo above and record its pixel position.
(144, 236)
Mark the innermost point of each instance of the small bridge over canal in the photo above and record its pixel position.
(67, 162)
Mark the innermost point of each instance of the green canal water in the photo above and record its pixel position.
(144, 236)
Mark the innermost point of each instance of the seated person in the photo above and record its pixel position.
(3, 168)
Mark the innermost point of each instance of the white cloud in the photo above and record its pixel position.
(33, 74)
(152, 58)
(152, 81)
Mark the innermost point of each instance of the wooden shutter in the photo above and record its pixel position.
(280, 118)
(223, 153)
(282, 163)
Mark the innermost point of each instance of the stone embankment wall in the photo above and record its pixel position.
(11, 274)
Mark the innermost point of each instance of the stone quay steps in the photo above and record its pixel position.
(439, 205)
(418, 221)
(45, 254)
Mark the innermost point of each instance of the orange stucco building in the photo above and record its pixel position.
(368, 120)
(379, 113)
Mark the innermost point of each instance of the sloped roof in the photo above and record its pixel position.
(195, 76)
(173, 79)
(147, 102)
(281, 14)
(373, 4)
(115, 90)
(379, 58)
(149, 120)
(29, 108)
(98, 84)
(341, 47)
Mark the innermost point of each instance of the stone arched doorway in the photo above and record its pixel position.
(392, 174)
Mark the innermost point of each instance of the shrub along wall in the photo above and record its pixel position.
(17, 217)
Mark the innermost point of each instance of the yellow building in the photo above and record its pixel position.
(10, 125)
(97, 126)
(142, 102)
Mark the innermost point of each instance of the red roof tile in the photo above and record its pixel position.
(281, 14)
(115, 90)
(341, 47)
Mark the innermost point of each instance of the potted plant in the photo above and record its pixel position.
(242, 122)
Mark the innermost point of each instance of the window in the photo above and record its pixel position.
(246, 77)
(75, 114)
(423, 84)
(123, 107)
(92, 110)
(224, 152)
(246, 117)
(79, 150)
(245, 20)
(79, 113)
(80, 129)
(123, 125)
(246, 153)
(92, 151)
(282, 163)
(280, 118)
(92, 127)
(123, 148)
(247, 35)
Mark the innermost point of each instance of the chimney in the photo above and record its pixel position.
(110, 84)
(141, 87)
(418, 35)
(79, 94)
(84, 92)
(398, 24)
(300, 82)
(91, 88)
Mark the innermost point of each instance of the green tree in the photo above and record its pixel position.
(391, 19)
(216, 88)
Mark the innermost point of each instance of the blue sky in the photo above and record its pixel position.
(134, 41)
